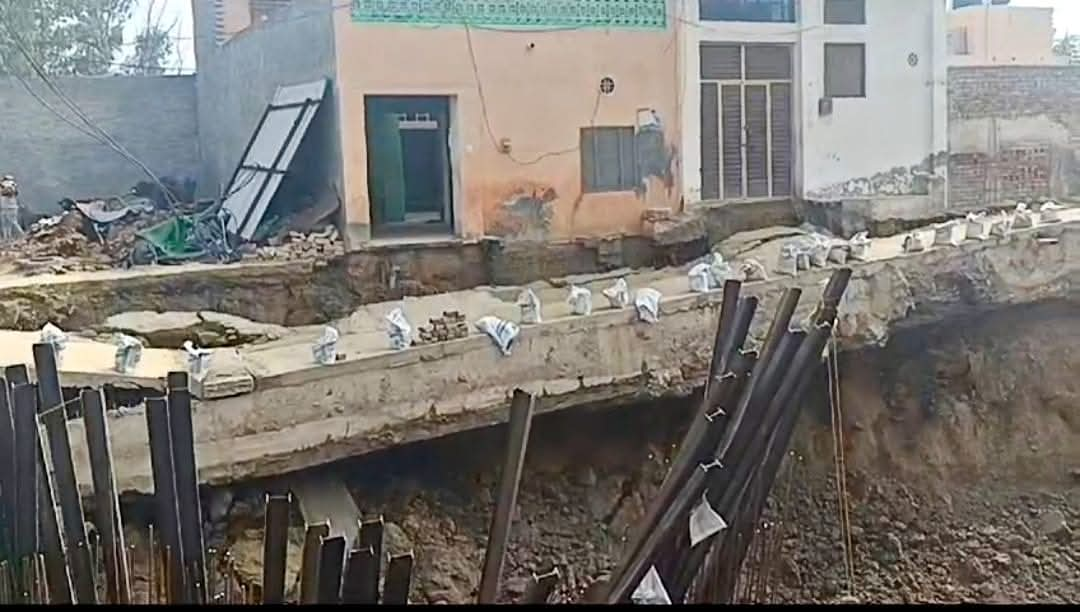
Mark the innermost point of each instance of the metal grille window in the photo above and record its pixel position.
(608, 159)
(845, 12)
(747, 10)
(845, 70)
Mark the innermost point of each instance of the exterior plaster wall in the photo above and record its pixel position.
(539, 89)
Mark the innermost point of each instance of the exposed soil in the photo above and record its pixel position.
(962, 456)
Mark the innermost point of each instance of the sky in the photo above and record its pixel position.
(1066, 19)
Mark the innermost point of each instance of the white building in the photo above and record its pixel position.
(833, 101)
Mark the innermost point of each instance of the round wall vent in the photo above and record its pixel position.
(607, 86)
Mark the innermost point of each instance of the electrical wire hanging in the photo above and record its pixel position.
(109, 140)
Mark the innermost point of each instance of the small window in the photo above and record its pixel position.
(782, 11)
(845, 70)
(845, 12)
(608, 159)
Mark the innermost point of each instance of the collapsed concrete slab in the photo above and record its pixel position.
(301, 415)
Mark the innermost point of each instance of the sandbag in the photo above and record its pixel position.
(325, 348)
(128, 353)
(618, 295)
(400, 332)
(530, 307)
(580, 300)
(647, 303)
(502, 333)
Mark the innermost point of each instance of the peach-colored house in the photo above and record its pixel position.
(996, 35)
(537, 120)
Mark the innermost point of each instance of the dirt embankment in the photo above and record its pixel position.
(962, 447)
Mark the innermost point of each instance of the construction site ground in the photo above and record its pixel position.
(269, 409)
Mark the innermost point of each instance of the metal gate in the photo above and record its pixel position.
(746, 108)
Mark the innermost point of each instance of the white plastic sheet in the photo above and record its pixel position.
(618, 295)
(580, 300)
(704, 522)
(502, 333)
(198, 361)
(1002, 225)
(325, 348)
(651, 591)
(647, 303)
(128, 353)
(530, 307)
(400, 331)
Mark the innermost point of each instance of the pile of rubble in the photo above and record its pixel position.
(322, 245)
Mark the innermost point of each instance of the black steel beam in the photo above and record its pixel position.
(27, 514)
(182, 436)
(54, 416)
(167, 511)
(371, 536)
(521, 413)
(541, 588)
(358, 586)
(309, 568)
(398, 580)
(7, 474)
(17, 375)
(106, 500)
(331, 562)
(275, 548)
(686, 457)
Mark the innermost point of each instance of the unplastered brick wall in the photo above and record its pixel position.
(1040, 163)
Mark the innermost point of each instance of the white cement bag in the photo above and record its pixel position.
(753, 270)
(859, 246)
(324, 351)
(128, 353)
(650, 591)
(1050, 212)
(704, 522)
(530, 307)
(580, 300)
(618, 295)
(838, 253)
(719, 270)
(400, 331)
(918, 241)
(978, 226)
(198, 361)
(700, 278)
(787, 261)
(802, 260)
(51, 334)
(950, 233)
(502, 333)
(647, 303)
(1001, 225)
(819, 251)
(1024, 217)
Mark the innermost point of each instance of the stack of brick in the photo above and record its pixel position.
(322, 245)
(451, 326)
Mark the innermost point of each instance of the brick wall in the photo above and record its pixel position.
(153, 117)
(999, 162)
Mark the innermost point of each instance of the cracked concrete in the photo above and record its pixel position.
(300, 415)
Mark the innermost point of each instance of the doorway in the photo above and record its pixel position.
(746, 121)
(409, 167)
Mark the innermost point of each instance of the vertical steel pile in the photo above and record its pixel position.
(726, 466)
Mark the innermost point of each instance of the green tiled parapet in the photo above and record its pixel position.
(635, 14)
